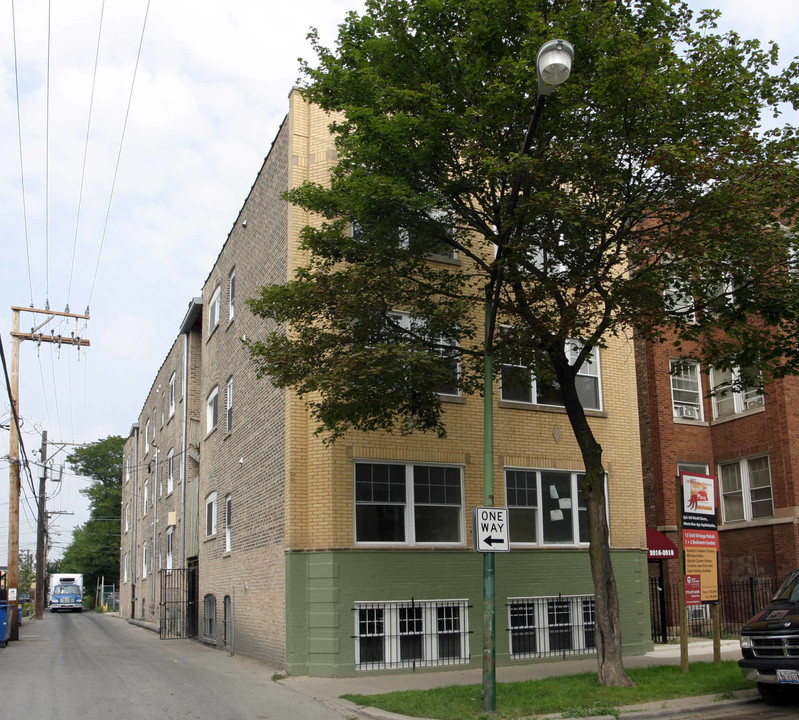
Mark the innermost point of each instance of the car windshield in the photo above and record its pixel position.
(789, 592)
(67, 590)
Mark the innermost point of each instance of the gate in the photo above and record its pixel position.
(174, 604)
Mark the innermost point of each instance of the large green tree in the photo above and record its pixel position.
(648, 201)
(94, 550)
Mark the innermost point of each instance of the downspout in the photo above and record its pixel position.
(183, 389)
(156, 549)
(133, 554)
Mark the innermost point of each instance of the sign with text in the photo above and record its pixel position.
(490, 532)
(693, 590)
(698, 501)
(703, 562)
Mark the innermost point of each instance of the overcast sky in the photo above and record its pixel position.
(209, 95)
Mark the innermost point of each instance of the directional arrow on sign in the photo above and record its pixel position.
(490, 529)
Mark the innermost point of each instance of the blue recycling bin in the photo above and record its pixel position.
(5, 625)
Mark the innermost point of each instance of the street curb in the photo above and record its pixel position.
(658, 709)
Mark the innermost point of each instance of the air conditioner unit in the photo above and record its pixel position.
(688, 411)
(698, 612)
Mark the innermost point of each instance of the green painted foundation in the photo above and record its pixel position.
(323, 587)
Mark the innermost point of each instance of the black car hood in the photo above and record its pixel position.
(776, 617)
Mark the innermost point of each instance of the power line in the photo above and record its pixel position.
(21, 164)
(119, 154)
(47, 170)
(85, 151)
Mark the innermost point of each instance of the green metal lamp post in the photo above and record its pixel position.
(553, 67)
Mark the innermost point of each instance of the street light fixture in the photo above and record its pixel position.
(553, 67)
(554, 64)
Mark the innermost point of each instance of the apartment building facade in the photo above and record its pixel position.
(357, 556)
(693, 419)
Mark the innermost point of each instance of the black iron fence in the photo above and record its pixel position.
(740, 599)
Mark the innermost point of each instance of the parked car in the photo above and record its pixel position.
(770, 645)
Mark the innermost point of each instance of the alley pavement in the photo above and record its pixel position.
(330, 690)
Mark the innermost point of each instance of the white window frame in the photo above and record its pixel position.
(229, 405)
(170, 471)
(749, 398)
(387, 623)
(686, 401)
(144, 568)
(533, 616)
(231, 295)
(209, 619)
(125, 561)
(409, 504)
(746, 492)
(407, 322)
(214, 309)
(147, 436)
(127, 517)
(145, 495)
(228, 523)
(212, 410)
(170, 545)
(569, 507)
(591, 369)
(210, 515)
(172, 380)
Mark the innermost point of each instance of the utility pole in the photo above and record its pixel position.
(12, 576)
(41, 531)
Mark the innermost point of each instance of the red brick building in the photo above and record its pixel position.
(748, 439)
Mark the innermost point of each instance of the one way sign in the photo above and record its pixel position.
(490, 529)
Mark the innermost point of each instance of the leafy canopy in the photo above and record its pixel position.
(647, 172)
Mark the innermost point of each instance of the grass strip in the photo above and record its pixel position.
(572, 695)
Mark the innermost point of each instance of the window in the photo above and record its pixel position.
(231, 297)
(147, 436)
(727, 400)
(209, 618)
(146, 495)
(211, 410)
(688, 467)
(127, 517)
(746, 489)
(228, 523)
(169, 546)
(128, 465)
(170, 471)
(144, 560)
(546, 507)
(520, 385)
(229, 404)
(433, 243)
(227, 620)
(415, 633)
(210, 515)
(172, 395)
(213, 310)
(686, 390)
(125, 561)
(449, 357)
(406, 503)
(546, 626)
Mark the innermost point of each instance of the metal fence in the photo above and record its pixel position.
(411, 634)
(740, 600)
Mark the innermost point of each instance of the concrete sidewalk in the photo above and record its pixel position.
(330, 690)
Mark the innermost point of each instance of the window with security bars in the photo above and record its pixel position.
(548, 626)
(414, 633)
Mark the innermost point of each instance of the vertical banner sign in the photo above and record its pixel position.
(700, 537)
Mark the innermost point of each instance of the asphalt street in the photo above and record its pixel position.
(97, 667)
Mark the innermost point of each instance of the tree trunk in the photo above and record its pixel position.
(610, 667)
